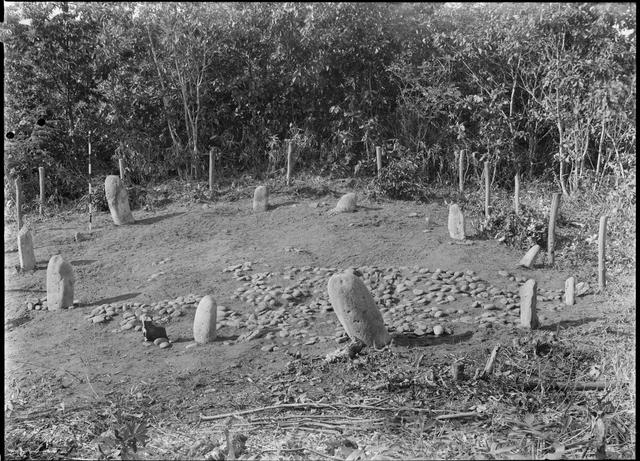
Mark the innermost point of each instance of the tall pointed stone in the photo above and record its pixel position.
(529, 258)
(528, 299)
(60, 283)
(204, 322)
(456, 222)
(261, 199)
(570, 291)
(118, 200)
(356, 310)
(25, 250)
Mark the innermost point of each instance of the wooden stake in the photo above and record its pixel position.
(289, 160)
(516, 197)
(211, 169)
(18, 203)
(488, 368)
(41, 174)
(461, 170)
(487, 192)
(121, 166)
(602, 241)
(379, 159)
(90, 195)
(551, 236)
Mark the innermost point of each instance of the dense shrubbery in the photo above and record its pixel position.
(401, 180)
(520, 230)
(544, 89)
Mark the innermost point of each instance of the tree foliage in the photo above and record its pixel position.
(543, 89)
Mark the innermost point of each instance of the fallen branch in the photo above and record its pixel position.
(488, 368)
(458, 415)
(595, 386)
(277, 450)
(48, 368)
(306, 406)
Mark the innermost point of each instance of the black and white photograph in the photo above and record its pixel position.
(345, 231)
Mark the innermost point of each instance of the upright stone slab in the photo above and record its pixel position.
(347, 203)
(25, 250)
(60, 282)
(528, 298)
(204, 322)
(261, 199)
(529, 258)
(118, 200)
(570, 291)
(356, 310)
(456, 222)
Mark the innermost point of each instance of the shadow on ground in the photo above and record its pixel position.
(156, 219)
(115, 299)
(400, 339)
(568, 323)
(83, 262)
(278, 205)
(25, 290)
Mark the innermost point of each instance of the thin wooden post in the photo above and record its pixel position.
(121, 166)
(289, 161)
(551, 236)
(379, 159)
(18, 203)
(487, 192)
(90, 194)
(461, 170)
(212, 159)
(602, 241)
(516, 197)
(41, 174)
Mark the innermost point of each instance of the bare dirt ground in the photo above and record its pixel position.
(80, 377)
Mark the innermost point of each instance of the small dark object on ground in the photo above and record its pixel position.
(152, 332)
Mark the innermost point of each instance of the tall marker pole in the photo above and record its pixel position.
(41, 174)
(90, 181)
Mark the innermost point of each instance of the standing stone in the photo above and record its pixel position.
(570, 291)
(528, 297)
(204, 322)
(60, 281)
(356, 310)
(25, 250)
(528, 259)
(118, 200)
(456, 222)
(347, 203)
(261, 199)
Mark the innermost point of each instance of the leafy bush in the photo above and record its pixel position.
(401, 180)
(528, 228)
(98, 196)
